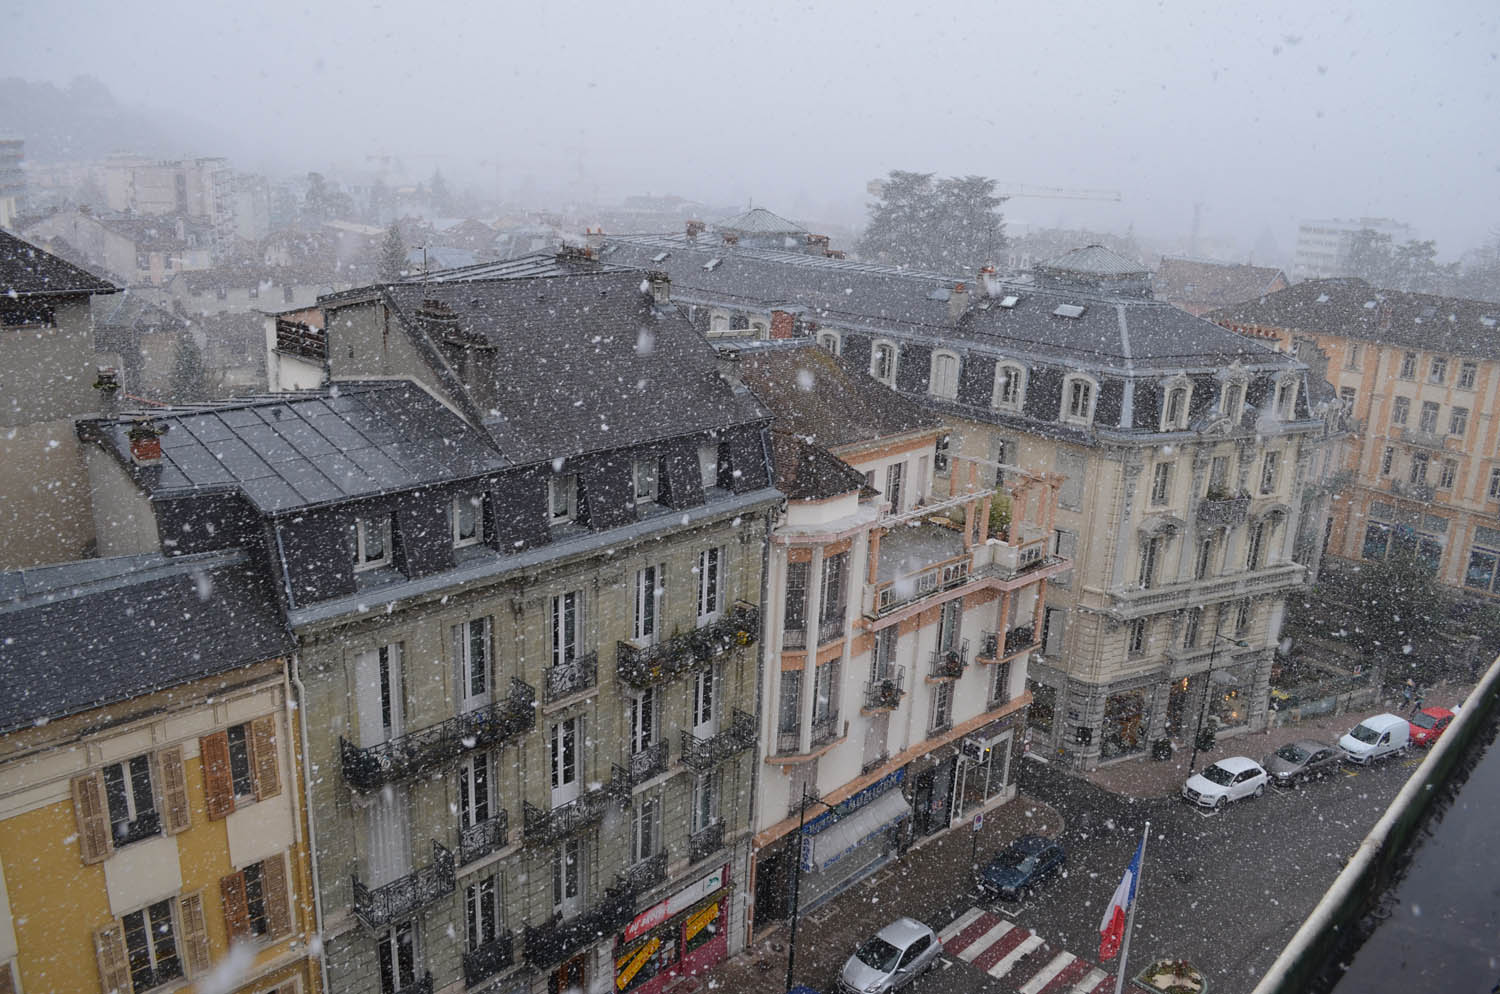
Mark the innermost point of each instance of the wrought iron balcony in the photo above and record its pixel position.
(385, 904)
(949, 664)
(649, 762)
(1019, 639)
(989, 647)
(422, 985)
(706, 753)
(832, 629)
(645, 666)
(549, 944)
(1416, 491)
(544, 826)
(489, 958)
(910, 587)
(1224, 510)
(885, 692)
(788, 741)
(572, 677)
(646, 874)
(824, 730)
(1427, 439)
(794, 638)
(409, 755)
(482, 838)
(705, 842)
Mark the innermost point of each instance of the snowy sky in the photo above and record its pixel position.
(1263, 111)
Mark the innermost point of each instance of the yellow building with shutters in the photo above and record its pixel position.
(153, 836)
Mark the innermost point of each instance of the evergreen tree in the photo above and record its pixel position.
(952, 224)
(191, 380)
(392, 255)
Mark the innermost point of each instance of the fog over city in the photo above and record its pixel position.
(1262, 114)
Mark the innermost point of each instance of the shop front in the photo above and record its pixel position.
(1126, 721)
(984, 766)
(1228, 695)
(858, 836)
(682, 934)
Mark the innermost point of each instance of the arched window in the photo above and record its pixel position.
(1286, 398)
(1010, 386)
(830, 341)
(944, 382)
(1079, 394)
(1232, 403)
(1174, 409)
(883, 363)
(718, 322)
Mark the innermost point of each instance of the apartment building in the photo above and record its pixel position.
(897, 627)
(152, 821)
(1419, 375)
(1184, 452)
(519, 539)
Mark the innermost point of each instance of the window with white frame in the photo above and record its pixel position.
(894, 474)
(1408, 370)
(644, 473)
(1161, 483)
(468, 520)
(1458, 421)
(1418, 473)
(1447, 474)
(562, 499)
(471, 657)
(397, 956)
(1428, 419)
(151, 946)
(1078, 399)
(567, 627)
(1175, 411)
(1286, 398)
(1270, 472)
(372, 541)
(1232, 403)
(567, 878)
(1438, 371)
(644, 720)
(710, 583)
(1010, 386)
(475, 790)
(1468, 373)
(482, 912)
(944, 382)
(705, 812)
(883, 362)
(645, 827)
(941, 718)
(650, 588)
(830, 341)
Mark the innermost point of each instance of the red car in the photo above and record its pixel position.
(1427, 724)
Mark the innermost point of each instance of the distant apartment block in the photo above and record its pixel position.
(1323, 246)
(12, 180)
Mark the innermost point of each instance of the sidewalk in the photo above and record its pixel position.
(921, 884)
(1162, 778)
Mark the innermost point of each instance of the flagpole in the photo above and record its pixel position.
(1130, 918)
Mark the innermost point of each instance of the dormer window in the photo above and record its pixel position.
(829, 340)
(372, 542)
(645, 475)
(1010, 386)
(1078, 400)
(1174, 413)
(1286, 399)
(468, 520)
(1233, 401)
(944, 375)
(562, 500)
(883, 363)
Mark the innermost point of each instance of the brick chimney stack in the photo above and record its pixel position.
(783, 324)
(958, 301)
(661, 287)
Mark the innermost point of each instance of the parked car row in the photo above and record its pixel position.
(1373, 738)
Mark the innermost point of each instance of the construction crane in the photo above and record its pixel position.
(1013, 190)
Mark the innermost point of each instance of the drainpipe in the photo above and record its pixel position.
(312, 823)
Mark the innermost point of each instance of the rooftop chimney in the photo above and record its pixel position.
(986, 273)
(594, 239)
(108, 385)
(661, 287)
(695, 228)
(729, 369)
(783, 324)
(958, 301)
(731, 239)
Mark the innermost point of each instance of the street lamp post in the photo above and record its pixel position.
(1208, 678)
(791, 951)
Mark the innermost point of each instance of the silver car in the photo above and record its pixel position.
(896, 956)
(1298, 761)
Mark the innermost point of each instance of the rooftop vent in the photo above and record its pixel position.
(1069, 310)
(713, 263)
(1488, 320)
(1009, 301)
(660, 257)
(1322, 298)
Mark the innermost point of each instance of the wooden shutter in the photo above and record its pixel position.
(278, 904)
(263, 737)
(218, 782)
(7, 980)
(114, 966)
(195, 934)
(236, 905)
(178, 815)
(93, 817)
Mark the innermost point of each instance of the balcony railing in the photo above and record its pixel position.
(903, 590)
(483, 838)
(794, 638)
(1425, 439)
(379, 907)
(646, 874)
(645, 666)
(989, 647)
(422, 985)
(489, 959)
(706, 753)
(705, 842)
(885, 692)
(825, 729)
(572, 677)
(948, 664)
(1136, 602)
(543, 826)
(832, 629)
(1223, 511)
(1019, 640)
(298, 339)
(406, 756)
(649, 762)
(560, 938)
(788, 742)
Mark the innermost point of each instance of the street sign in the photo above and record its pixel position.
(979, 821)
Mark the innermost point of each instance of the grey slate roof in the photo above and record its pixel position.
(92, 633)
(1352, 308)
(290, 451)
(1213, 284)
(805, 471)
(27, 271)
(1094, 260)
(759, 221)
(525, 267)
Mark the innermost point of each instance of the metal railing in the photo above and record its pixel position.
(1019, 639)
(705, 842)
(788, 742)
(422, 985)
(489, 958)
(885, 692)
(649, 762)
(646, 874)
(560, 938)
(483, 838)
(381, 906)
(830, 629)
(408, 755)
(989, 646)
(305, 341)
(571, 677)
(949, 664)
(794, 638)
(645, 666)
(706, 753)
(825, 729)
(1223, 511)
(543, 826)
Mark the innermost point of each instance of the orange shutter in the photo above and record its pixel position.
(114, 967)
(195, 934)
(174, 790)
(263, 735)
(93, 817)
(218, 782)
(278, 904)
(236, 905)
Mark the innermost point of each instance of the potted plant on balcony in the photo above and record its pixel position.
(888, 695)
(145, 441)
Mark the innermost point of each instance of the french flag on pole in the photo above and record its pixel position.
(1112, 928)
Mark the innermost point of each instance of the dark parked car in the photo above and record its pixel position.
(1022, 867)
(1298, 761)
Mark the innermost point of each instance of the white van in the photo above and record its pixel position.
(1376, 737)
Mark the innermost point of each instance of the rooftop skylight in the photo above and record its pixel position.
(713, 263)
(1010, 301)
(1069, 310)
(660, 257)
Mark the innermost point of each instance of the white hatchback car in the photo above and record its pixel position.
(1227, 780)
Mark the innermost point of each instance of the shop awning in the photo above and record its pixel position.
(848, 834)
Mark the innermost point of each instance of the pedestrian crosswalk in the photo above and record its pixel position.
(1020, 957)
